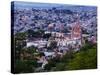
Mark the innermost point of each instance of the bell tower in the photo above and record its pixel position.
(76, 30)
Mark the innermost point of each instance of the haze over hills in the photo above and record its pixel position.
(24, 5)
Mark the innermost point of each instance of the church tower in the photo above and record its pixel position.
(76, 30)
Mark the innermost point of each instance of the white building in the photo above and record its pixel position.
(39, 43)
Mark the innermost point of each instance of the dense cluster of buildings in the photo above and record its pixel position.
(65, 27)
(64, 41)
(62, 18)
(72, 40)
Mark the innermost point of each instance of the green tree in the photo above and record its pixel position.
(19, 43)
(25, 66)
(85, 59)
(53, 44)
